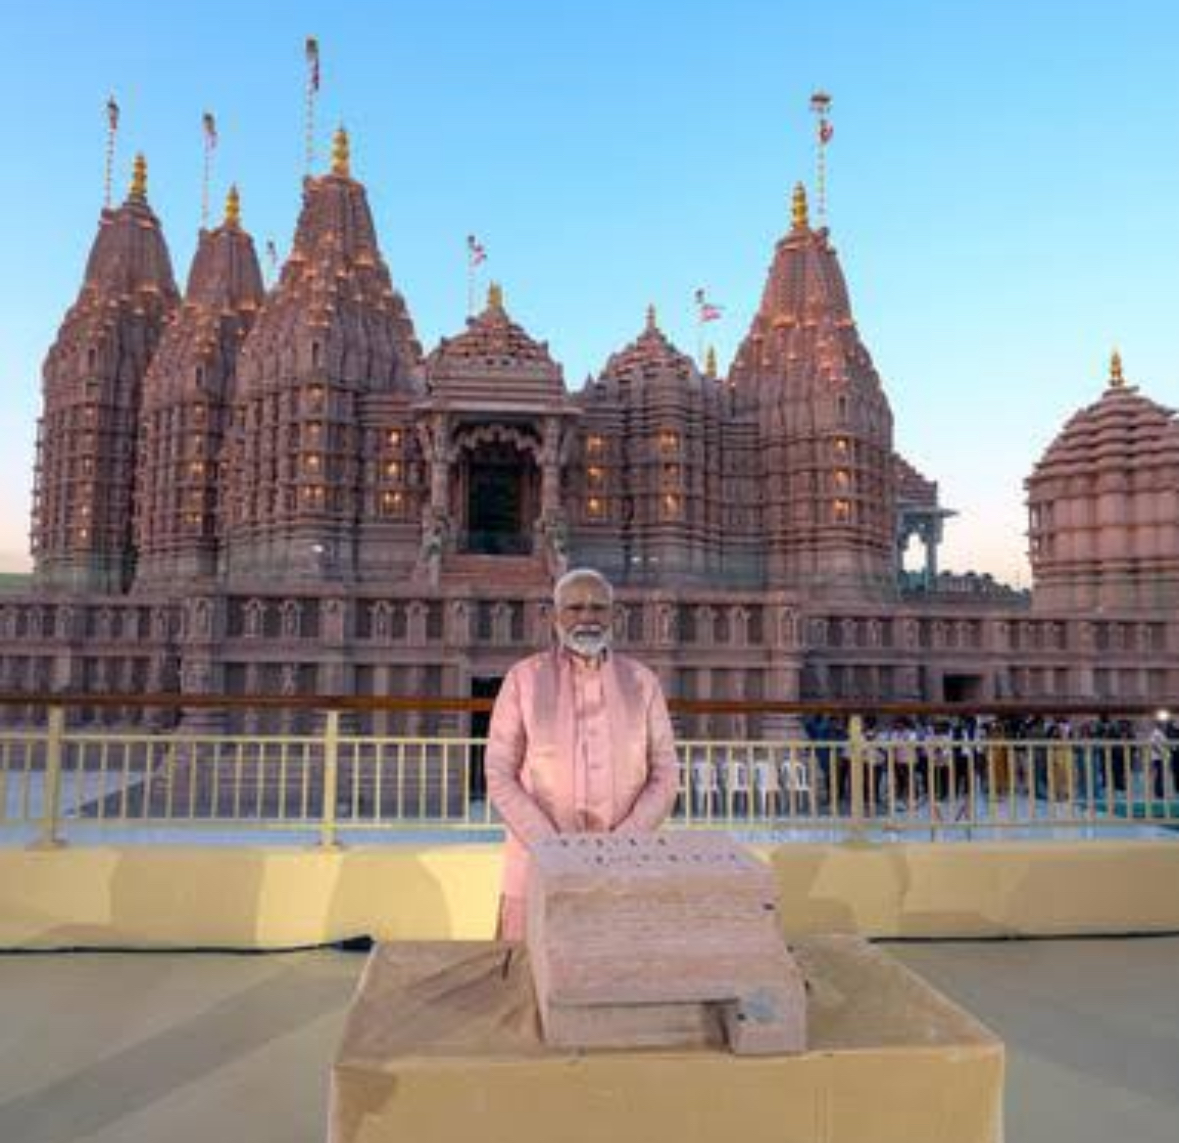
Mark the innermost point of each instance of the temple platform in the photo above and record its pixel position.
(138, 1047)
(443, 1040)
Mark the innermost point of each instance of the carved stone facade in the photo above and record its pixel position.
(320, 507)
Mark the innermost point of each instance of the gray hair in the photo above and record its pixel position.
(575, 575)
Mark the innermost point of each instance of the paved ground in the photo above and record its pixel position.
(137, 1048)
(1091, 1027)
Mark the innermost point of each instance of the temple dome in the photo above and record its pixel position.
(803, 332)
(493, 359)
(334, 305)
(650, 360)
(493, 340)
(1123, 431)
(129, 254)
(1103, 506)
(223, 295)
(128, 275)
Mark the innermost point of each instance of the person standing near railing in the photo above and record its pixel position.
(580, 740)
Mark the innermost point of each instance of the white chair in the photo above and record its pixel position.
(705, 787)
(768, 786)
(737, 785)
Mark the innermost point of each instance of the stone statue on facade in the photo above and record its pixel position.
(429, 566)
(554, 543)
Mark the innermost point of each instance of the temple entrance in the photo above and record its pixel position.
(963, 688)
(499, 487)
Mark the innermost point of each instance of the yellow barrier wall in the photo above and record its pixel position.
(272, 897)
(980, 889)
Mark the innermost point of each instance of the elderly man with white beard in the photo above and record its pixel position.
(580, 740)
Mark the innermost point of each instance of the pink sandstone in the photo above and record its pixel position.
(658, 941)
(280, 493)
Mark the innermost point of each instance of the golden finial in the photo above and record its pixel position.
(495, 296)
(341, 154)
(710, 362)
(798, 212)
(139, 178)
(233, 207)
(652, 319)
(1116, 380)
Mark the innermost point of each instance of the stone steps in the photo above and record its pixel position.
(499, 572)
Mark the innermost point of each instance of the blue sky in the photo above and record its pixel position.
(1004, 185)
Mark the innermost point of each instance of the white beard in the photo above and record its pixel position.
(586, 644)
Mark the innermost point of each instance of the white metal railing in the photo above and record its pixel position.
(55, 780)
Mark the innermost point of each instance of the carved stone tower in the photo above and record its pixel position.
(825, 423)
(93, 385)
(185, 408)
(332, 337)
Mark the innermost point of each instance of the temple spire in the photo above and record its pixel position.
(341, 154)
(710, 362)
(1116, 379)
(495, 297)
(652, 319)
(798, 208)
(138, 190)
(233, 208)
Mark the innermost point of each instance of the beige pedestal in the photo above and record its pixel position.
(442, 1044)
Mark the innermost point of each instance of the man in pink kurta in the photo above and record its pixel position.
(580, 740)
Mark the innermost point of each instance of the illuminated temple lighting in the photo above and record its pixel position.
(762, 502)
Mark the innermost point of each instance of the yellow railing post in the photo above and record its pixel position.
(51, 795)
(856, 760)
(331, 780)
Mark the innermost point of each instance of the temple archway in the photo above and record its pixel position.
(497, 491)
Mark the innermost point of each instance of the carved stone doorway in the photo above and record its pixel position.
(498, 490)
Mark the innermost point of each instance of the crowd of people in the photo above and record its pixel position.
(914, 760)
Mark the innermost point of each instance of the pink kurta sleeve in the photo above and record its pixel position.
(507, 742)
(658, 795)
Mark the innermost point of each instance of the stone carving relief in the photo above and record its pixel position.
(382, 622)
(255, 618)
(416, 616)
(501, 623)
(739, 618)
(334, 613)
(292, 618)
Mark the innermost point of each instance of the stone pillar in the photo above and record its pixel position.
(550, 470)
(550, 528)
(930, 536)
(703, 723)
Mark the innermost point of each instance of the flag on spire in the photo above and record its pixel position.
(311, 51)
(705, 310)
(821, 109)
(209, 126)
(112, 129)
(313, 62)
(476, 251)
